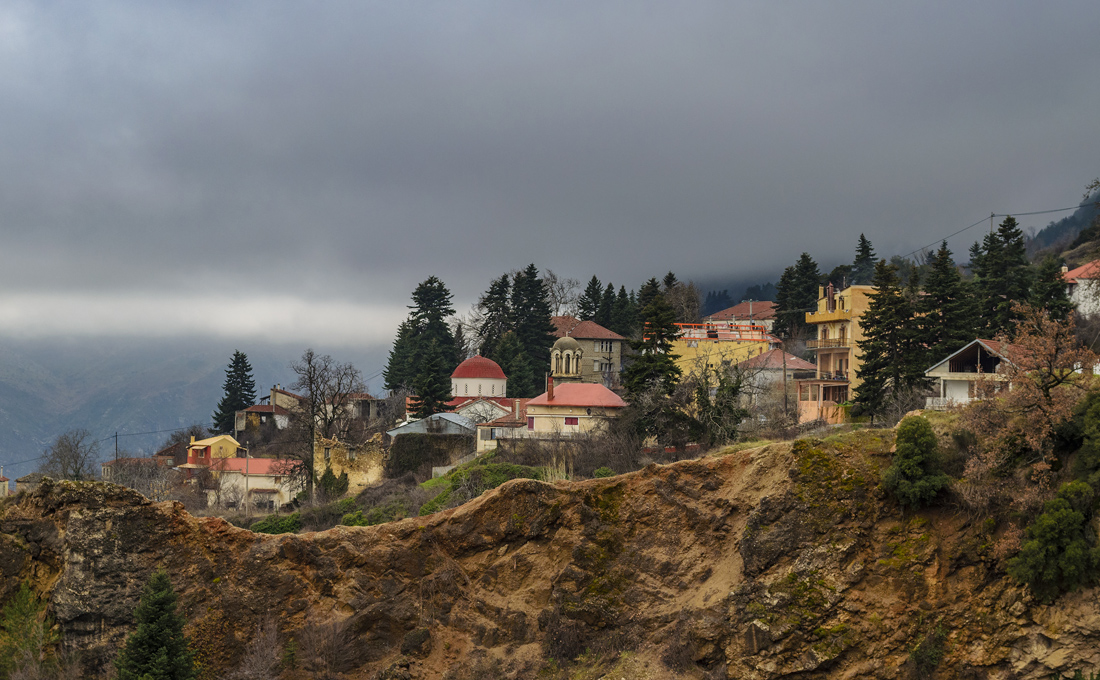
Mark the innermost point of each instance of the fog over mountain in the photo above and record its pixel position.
(270, 171)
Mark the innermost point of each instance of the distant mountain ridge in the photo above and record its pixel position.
(126, 385)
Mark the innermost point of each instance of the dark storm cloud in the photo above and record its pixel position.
(342, 152)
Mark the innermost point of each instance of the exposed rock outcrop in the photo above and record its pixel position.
(781, 561)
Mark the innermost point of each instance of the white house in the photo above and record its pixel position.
(264, 482)
(1083, 286)
(957, 376)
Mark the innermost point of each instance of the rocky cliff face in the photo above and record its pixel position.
(781, 561)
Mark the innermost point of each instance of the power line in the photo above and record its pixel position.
(982, 221)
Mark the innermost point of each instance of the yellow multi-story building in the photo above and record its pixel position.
(701, 346)
(837, 334)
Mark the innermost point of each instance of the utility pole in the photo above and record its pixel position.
(116, 446)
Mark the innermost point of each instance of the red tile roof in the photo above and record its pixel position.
(267, 408)
(760, 310)
(514, 419)
(479, 367)
(1090, 270)
(580, 394)
(573, 327)
(773, 360)
(256, 466)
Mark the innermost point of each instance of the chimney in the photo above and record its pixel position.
(1065, 269)
(192, 439)
(550, 388)
(515, 407)
(820, 292)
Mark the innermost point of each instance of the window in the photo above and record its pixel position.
(596, 365)
(530, 423)
(328, 453)
(571, 420)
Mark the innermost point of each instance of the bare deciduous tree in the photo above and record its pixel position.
(72, 456)
(262, 656)
(327, 409)
(144, 475)
(563, 293)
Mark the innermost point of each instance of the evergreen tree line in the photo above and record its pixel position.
(921, 313)
(616, 312)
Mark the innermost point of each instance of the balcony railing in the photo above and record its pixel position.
(824, 375)
(831, 343)
(826, 317)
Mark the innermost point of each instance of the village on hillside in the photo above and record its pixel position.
(563, 383)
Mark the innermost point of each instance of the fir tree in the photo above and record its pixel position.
(1049, 290)
(589, 302)
(646, 294)
(670, 281)
(427, 323)
(796, 294)
(1003, 276)
(914, 475)
(622, 314)
(522, 381)
(430, 309)
(946, 320)
(863, 267)
(400, 370)
(495, 307)
(157, 650)
(531, 317)
(889, 356)
(433, 384)
(607, 306)
(654, 364)
(239, 392)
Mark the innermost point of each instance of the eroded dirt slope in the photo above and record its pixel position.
(781, 561)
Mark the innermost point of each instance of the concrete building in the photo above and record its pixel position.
(571, 409)
(838, 330)
(585, 352)
(701, 346)
(263, 483)
(750, 312)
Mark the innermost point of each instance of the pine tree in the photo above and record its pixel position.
(795, 295)
(1049, 289)
(646, 294)
(433, 384)
(522, 381)
(427, 323)
(889, 356)
(946, 320)
(863, 268)
(430, 309)
(607, 306)
(400, 370)
(1003, 276)
(495, 307)
(239, 392)
(622, 314)
(157, 650)
(589, 302)
(654, 364)
(531, 317)
(915, 476)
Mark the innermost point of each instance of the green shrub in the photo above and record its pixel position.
(471, 481)
(1059, 553)
(928, 653)
(279, 524)
(332, 486)
(25, 634)
(915, 476)
(602, 472)
(380, 514)
(157, 648)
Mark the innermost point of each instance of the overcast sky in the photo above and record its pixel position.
(293, 170)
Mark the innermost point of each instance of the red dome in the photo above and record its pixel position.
(479, 367)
